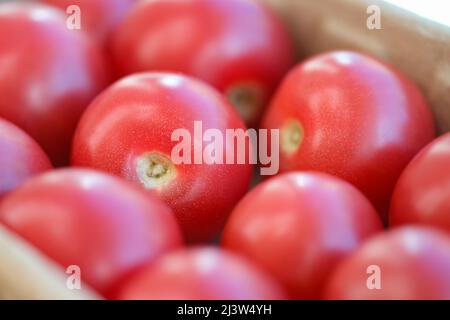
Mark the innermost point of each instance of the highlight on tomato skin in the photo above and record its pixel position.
(238, 46)
(127, 131)
(406, 263)
(103, 225)
(20, 157)
(422, 194)
(352, 116)
(49, 74)
(200, 273)
(298, 226)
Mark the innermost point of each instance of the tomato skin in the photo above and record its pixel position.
(422, 194)
(200, 273)
(20, 157)
(100, 223)
(49, 75)
(98, 17)
(228, 44)
(137, 116)
(360, 119)
(298, 215)
(414, 264)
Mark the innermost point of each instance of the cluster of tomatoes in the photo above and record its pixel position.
(357, 154)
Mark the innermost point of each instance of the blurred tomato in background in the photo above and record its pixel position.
(201, 273)
(105, 226)
(20, 157)
(48, 74)
(410, 263)
(422, 194)
(299, 226)
(238, 46)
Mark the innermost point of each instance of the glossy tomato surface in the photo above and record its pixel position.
(203, 273)
(20, 157)
(105, 226)
(351, 116)
(238, 46)
(298, 226)
(128, 131)
(48, 74)
(411, 263)
(99, 18)
(422, 194)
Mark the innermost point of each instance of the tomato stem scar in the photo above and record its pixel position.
(292, 134)
(155, 169)
(247, 98)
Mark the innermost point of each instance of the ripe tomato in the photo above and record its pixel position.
(20, 157)
(127, 131)
(410, 263)
(351, 116)
(422, 194)
(298, 226)
(48, 75)
(98, 17)
(100, 223)
(200, 274)
(238, 46)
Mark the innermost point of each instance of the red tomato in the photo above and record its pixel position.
(127, 131)
(298, 226)
(238, 46)
(422, 194)
(351, 116)
(20, 157)
(410, 263)
(200, 274)
(100, 223)
(48, 75)
(98, 17)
